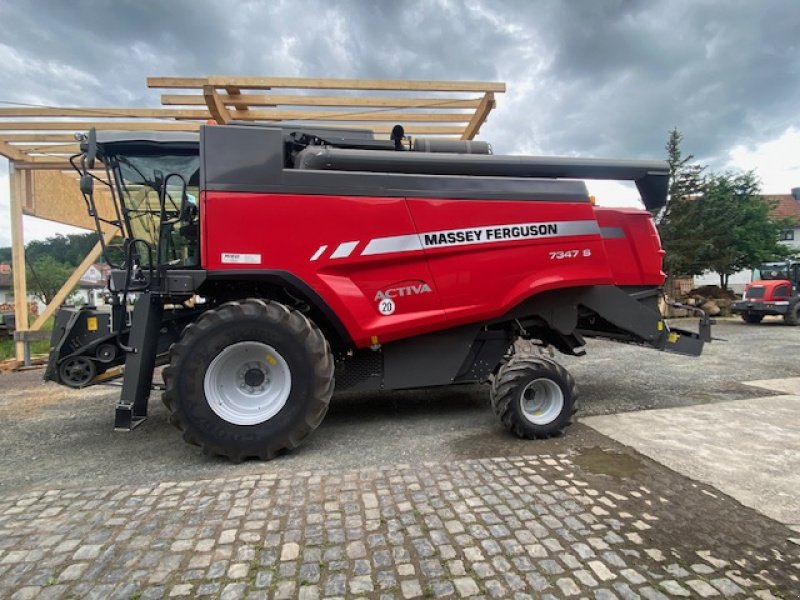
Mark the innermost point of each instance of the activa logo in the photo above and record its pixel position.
(413, 289)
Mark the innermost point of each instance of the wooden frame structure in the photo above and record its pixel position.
(38, 140)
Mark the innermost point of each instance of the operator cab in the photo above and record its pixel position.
(154, 182)
(788, 270)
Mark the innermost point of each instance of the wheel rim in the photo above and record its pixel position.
(247, 383)
(541, 401)
(77, 371)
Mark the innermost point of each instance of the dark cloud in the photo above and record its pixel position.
(592, 78)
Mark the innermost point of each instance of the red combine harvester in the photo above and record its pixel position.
(273, 265)
(775, 290)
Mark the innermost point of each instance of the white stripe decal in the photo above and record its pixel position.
(395, 243)
(344, 249)
(480, 235)
(319, 252)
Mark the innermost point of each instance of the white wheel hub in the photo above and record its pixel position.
(247, 383)
(541, 401)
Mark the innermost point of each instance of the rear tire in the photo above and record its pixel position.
(534, 397)
(792, 317)
(249, 379)
(753, 318)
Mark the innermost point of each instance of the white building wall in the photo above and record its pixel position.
(795, 243)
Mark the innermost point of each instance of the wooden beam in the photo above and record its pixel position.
(105, 125)
(354, 84)
(176, 82)
(367, 115)
(47, 153)
(18, 256)
(73, 280)
(244, 100)
(34, 164)
(219, 112)
(40, 147)
(37, 137)
(239, 109)
(322, 83)
(10, 152)
(474, 126)
(91, 112)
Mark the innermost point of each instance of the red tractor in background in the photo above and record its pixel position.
(272, 265)
(774, 290)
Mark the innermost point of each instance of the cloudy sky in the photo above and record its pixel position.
(604, 78)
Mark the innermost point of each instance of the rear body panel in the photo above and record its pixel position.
(442, 262)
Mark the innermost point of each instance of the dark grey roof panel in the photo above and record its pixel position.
(161, 137)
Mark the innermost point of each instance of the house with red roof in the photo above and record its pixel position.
(787, 206)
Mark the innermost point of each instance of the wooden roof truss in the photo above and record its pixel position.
(39, 137)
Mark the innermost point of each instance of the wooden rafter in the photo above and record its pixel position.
(474, 126)
(102, 113)
(326, 115)
(251, 100)
(39, 137)
(11, 152)
(326, 84)
(219, 112)
(417, 104)
(109, 125)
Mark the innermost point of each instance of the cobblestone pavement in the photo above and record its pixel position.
(597, 524)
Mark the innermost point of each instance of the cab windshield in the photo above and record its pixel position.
(170, 230)
(771, 271)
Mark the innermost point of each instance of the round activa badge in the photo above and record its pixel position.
(386, 306)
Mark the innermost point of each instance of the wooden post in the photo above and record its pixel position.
(18, 256)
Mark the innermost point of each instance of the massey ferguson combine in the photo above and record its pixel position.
(273, 265)
(774, 291)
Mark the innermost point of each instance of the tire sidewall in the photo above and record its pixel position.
(793, 315)
(190, 383)
(563, 417)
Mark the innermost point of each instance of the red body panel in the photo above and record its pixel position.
(441, 262)
(774, 289)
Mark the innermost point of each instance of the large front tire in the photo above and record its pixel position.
(249, 379)
(534, 397)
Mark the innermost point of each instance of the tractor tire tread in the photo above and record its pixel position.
(304, 330)
(792, 316)
(505, 389)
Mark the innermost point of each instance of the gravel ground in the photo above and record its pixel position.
(56, 437)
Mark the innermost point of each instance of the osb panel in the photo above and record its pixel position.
(55, 196)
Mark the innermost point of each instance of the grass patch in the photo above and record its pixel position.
(38, 347)
(7, 348)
